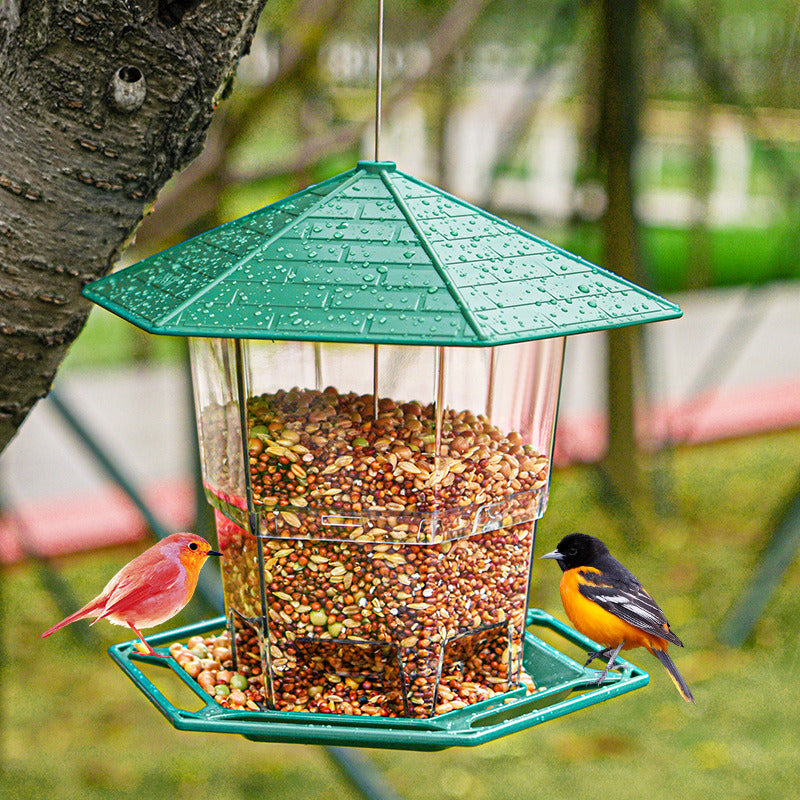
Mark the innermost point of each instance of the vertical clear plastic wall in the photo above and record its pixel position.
(383, 566)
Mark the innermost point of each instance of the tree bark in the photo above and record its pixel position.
(100, 104)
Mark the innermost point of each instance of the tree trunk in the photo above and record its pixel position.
(619, 110)
(100, 104)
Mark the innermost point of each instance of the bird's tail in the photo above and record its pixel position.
(81, 613)
(677, 678)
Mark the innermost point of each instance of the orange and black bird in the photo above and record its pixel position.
(605, 602)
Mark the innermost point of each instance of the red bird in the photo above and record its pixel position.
(605, 602)
(150, 589)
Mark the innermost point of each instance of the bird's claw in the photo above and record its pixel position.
(149, 651)
(611, 654)
(593, 656)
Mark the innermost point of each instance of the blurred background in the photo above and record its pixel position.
(658, 139)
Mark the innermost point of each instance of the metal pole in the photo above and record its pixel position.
(779, 555)
(375, 369)
(361, 773)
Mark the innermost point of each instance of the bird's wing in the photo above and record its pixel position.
(620, 593)
(140, 580)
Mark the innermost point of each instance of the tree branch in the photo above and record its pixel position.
(100, 104)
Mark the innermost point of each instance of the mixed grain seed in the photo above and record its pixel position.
(319, 460)
(385, 591)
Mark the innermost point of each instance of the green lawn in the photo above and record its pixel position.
(736, 255)
(74, 727)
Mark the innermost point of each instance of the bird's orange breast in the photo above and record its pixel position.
(595, 622)
(192, 563)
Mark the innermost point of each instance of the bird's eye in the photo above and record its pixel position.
(193, 545)
(573, 551)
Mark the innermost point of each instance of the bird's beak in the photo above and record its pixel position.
(553, 554)
(213, 553)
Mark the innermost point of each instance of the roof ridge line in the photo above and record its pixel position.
(435, 260)
(278, 234)
(486, 214)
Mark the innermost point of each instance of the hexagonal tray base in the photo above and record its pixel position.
(563, 686)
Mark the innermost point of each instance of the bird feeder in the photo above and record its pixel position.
(376, 369)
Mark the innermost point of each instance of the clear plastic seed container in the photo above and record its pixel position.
(376, 555)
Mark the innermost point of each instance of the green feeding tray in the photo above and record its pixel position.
(373, 255)
(563, 686)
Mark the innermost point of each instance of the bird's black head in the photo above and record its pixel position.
(577, 550)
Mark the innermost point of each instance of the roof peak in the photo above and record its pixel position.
(376, 166)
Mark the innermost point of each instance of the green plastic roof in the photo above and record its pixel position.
(373, 255)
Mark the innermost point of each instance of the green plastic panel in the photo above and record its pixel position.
(376, 256)
(564, 685)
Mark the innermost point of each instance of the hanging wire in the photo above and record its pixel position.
(375, 369)
(378, 103)
(378, 81)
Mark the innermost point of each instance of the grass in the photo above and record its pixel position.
(736, 255)
(74, 727)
